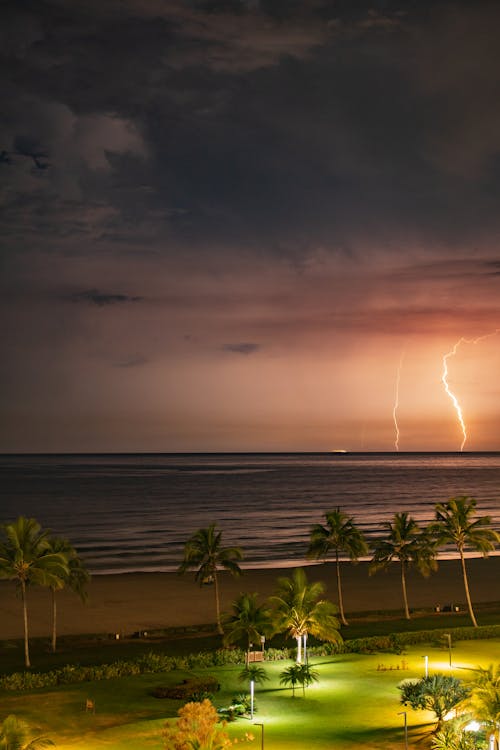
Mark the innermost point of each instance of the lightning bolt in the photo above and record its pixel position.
(444, 379)
(396, 401)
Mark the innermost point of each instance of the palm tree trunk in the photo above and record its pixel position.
(217, 604)
(299, 648)
(27, 662)
(466, 585)
(339, 591)
(54, 621)
(403, 585)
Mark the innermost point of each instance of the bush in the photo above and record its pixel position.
(188, 689)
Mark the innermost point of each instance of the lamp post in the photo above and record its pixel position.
(448, 636)
(403, 713)
(252, 691)
(257, 724)
(426, 665)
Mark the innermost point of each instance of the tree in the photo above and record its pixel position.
(299, 610)
(407, 544)
(14, 735)
(196, 729)
(307, 675)
(248, 621)
(438, 693)
(204, 551)
(26, 558)
(76, 578)
(255, 676)
(484, 700)
(455, 524)
(453, 735)
(291, 676)
(339, 535)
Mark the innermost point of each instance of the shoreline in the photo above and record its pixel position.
(130, 602)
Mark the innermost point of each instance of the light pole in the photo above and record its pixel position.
(257, 724)
(252, 691)
(403, 713)
(448, 636)
(426, 665)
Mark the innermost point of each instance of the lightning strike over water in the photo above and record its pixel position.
(396, 401)
(444, 379)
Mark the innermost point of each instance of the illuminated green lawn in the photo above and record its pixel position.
(355, 704)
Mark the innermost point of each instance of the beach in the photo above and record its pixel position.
(133, 602)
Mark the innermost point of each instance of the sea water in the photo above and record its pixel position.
(131, 513)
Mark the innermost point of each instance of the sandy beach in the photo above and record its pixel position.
(131, 602)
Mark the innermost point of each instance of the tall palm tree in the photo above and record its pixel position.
(76, 578)
(339, 535)
(455, 524)
(249, 621)
(26, 558)
(299, 610)
(204, 551)
(14, 735)
(407, 544)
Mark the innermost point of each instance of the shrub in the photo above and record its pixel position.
(188, 689)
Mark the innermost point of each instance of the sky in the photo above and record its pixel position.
(249, 225)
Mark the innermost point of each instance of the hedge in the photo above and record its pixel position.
(152, 663)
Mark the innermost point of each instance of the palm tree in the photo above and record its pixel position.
(26, 557)
(484, 700)
(249, 621)
(291, 676)
(255, 676)
(203, 550)
(76, 578)
(407, 544)
(455, 524)
(339, 535)
(299, 610)
(14, 736)
(307, 675)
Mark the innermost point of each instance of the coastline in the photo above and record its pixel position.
(130, 602)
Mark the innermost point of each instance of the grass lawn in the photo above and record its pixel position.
(355, 704)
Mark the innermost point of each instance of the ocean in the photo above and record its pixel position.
(133, 512)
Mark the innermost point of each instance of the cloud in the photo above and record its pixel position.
(241, 347)
(102, 299)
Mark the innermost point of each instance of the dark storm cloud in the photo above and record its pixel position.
(286, 126)
(241, 347)
(101, 299)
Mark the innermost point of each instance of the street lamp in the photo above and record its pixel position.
(252, 691)
(403, 713)
(257, 724)
(448, 636)
(426, 665)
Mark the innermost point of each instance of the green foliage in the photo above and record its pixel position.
(452, 736)
(253, 673)
(26, 557)
(14, 735)
(204, 552)
(247, 622)
(188, 689)
(299, 610)
(339, 535)
(455, 523)
(438, 693)
(406, 543)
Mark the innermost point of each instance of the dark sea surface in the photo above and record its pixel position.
(130, 513)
